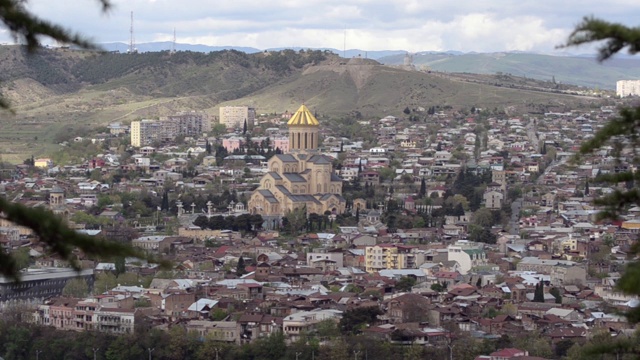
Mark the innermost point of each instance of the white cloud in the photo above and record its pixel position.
(414, 25)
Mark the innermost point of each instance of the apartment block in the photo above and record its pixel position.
(38, 284)
(145, 132)
(626, 88)
(390, 256)
(235, 116)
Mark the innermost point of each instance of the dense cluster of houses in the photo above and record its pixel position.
(553, 242)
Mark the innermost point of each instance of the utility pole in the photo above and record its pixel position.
(150, 351)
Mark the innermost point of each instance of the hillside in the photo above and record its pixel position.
(61, 93)
(581, 71)
(372, 89)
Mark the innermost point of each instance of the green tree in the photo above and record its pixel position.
(353, 320)
(483, 217)
(240, 267)
(22, 257)
(405, 283)
(538, 295)
(50, 230)
(104, 282)
(76, 288)
(120, 266)
(621, 133)
(53, 232)
(423, 188)
(556, 294)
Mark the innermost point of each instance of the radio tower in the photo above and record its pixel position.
(132, 41)
(173, 44)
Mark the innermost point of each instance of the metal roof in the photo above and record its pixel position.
(303, 117)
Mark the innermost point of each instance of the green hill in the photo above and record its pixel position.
(62, 93)
(581, 71)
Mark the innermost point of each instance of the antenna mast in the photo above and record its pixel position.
(173, 44)
(132, 42)
(344, 45)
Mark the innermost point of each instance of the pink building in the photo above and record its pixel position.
(231, 144)
(282, 144)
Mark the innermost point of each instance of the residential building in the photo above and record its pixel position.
(467, 254)
(38, 284)
(114, 320)
(390, 256)
(493, 199)
(236, 116)
(224, 331)
(323, 258)
(626, 88)
(305, 321)
(146, 132)
(44, 163)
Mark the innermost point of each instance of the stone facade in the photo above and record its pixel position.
(302, 178)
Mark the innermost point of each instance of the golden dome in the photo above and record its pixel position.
(303, 117)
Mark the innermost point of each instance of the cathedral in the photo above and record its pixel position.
(302, 178)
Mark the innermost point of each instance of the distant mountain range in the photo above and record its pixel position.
(59, 93)
(582, 70)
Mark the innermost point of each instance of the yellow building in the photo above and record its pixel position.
(302, 178)
(44, 163)
(389, 256)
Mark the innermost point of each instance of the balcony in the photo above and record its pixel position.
(110, 322)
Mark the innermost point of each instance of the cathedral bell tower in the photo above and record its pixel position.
(303, 131)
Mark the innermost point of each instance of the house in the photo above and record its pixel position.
(255, 326)
(493, 199)
(43, 163)
(223, 331)
(506, 354)
(408, 308)
(305, 321)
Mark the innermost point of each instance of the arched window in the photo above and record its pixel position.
(298, 141)
(306, 146)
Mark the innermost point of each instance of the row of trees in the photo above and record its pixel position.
(244, 222)
(329, 341)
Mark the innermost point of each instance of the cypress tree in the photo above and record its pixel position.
(244, 128)
(423, 188)
(586, 188)
(240, 268)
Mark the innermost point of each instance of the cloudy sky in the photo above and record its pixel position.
(414, 25)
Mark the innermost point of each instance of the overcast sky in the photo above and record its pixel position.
(414, 25)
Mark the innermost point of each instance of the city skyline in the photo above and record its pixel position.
(369, 25)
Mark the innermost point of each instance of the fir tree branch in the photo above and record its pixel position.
(62, 240)
(615, 36)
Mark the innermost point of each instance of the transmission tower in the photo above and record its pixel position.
(132, 40)
(173, 44)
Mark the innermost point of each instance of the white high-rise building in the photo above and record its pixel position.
(626, 88)
(145, 132)
(235, 116)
